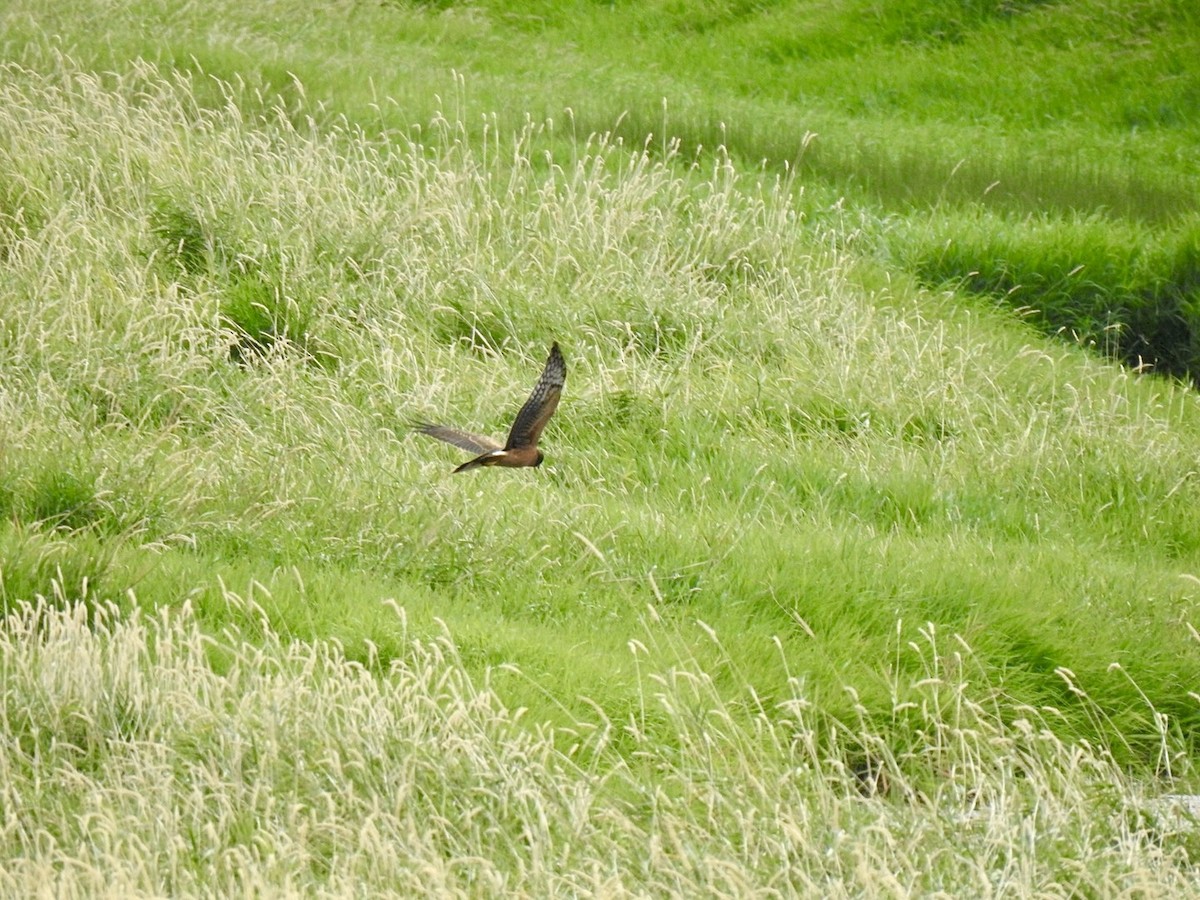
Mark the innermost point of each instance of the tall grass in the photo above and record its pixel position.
(1029, 106)
(1040, 113)
(219, 311)
(132, 766)
(224, 326)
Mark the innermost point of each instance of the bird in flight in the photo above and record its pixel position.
(521, 447)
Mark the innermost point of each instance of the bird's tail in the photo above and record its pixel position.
(485, 459)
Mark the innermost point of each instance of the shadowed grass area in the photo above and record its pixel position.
(1132, 292)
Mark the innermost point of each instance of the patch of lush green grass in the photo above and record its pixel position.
(751, 440)
(1044, 112)
(1132, 292)
(1060, 106)
(784, 475)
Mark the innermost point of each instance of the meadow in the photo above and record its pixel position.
(851, 570)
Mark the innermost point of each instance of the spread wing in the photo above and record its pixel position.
(472, 443)
(541, 403)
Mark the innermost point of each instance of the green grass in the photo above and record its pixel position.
(808, 514)
(1132, 293)
(1036, 112)
(292, 768)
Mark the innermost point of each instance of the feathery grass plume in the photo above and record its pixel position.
(139, 767)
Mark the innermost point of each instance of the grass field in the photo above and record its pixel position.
(840, 577)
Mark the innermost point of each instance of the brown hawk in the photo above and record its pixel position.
(521, 447)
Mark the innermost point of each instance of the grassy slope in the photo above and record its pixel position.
(1049, 139)
(922, 477)
(761, 433)
(1033, 105)
(1023, 125)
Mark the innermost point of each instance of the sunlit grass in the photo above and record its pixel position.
(224, 313)
(139, 768)
(750, 435)
(1034, 111)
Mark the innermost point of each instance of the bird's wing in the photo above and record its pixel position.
(541, 403)
(473, 443)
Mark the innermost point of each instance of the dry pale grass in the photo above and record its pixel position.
(141, 757)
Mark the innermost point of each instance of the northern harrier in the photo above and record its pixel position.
(521, 447)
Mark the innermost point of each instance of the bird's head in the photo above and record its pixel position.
(540, 457)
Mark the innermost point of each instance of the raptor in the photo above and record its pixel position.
(521, 448)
